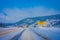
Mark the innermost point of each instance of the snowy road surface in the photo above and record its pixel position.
(29, 33)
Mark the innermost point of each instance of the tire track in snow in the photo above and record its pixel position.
(39, 34)
(17, 36)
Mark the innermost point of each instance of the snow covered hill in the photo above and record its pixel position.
(54, 20)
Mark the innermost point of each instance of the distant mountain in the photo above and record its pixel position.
(32, 20)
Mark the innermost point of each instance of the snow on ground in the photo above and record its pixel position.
(1, 29)
(10, 35)
(36, 36)
(8, 28)
(51, 33)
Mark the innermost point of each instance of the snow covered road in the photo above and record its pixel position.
(30, 34)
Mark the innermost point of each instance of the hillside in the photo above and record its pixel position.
(55, 19)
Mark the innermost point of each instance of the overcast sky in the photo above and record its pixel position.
(14, 10)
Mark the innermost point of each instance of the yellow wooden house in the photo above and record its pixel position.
(42, 23)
